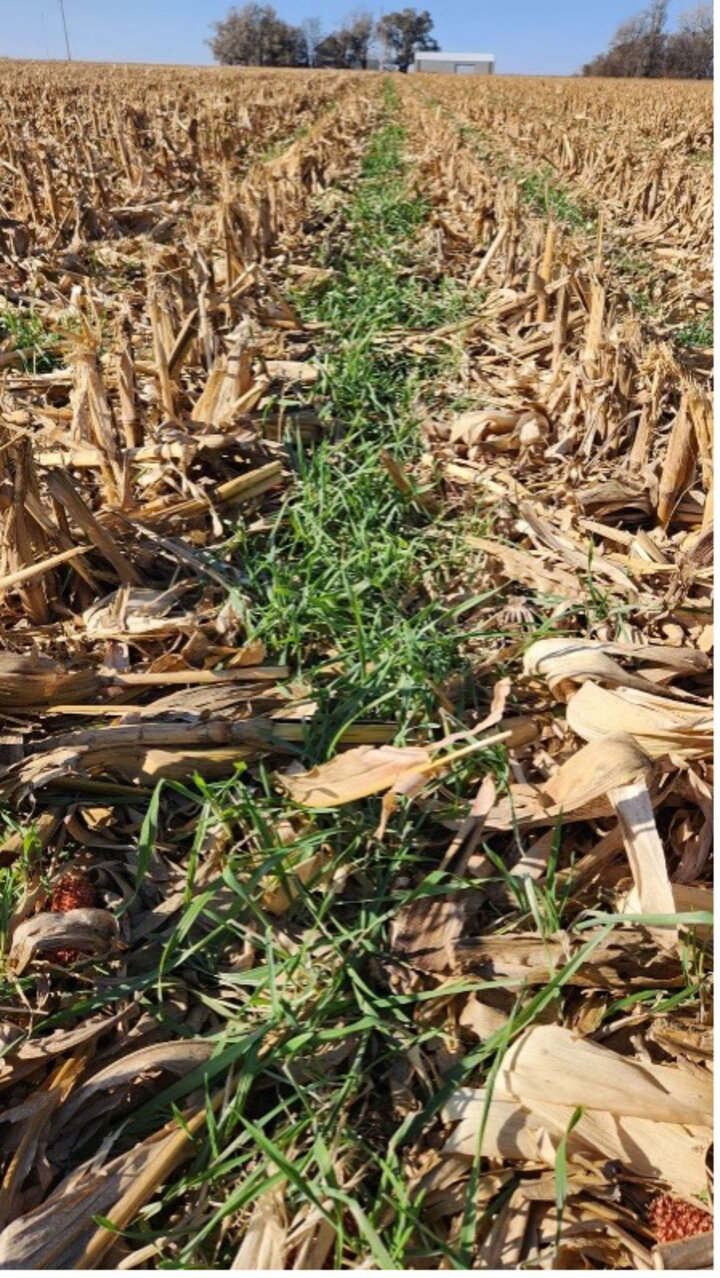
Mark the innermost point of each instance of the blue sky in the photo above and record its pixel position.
(527, 36)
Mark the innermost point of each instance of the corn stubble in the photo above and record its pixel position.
(555, 1110)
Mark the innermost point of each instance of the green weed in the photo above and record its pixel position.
(352, 570)
(698, 333)
(642, 303)
(344, 573)
(38, 345)
(545, 195)
(629, 264)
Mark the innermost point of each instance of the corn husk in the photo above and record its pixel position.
(89, 931)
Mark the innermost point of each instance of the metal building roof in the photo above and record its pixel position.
(455, 57)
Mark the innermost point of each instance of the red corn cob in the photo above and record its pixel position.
(672, 1219)
(74, 891)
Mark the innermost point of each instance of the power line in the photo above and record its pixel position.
(64, 22)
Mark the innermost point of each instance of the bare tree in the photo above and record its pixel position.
(689, 50)
(313, 33)
(404, 32)
(256, 36)
(349, 47)
(637, 47)
(359, 28)
(332, 51)
(643, 39)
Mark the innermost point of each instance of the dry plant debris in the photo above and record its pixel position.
(356, 632)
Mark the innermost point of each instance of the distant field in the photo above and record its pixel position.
(355, 670)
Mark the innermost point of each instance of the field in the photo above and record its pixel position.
(355, 772)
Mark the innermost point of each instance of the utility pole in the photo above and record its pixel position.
(64, 22)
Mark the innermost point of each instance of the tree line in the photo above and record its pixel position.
(255, 36)
(642, 47)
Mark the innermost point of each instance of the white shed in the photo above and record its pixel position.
(455, 63)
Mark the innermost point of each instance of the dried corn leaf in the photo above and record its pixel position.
(531, 1133)
(175, 1058)
(658, 724)
(566, 664)
(34, 680)
(598, 1078)
(578, 790)
(264, 1244)
(425, 932)
(60, 1233)
(354, 774)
